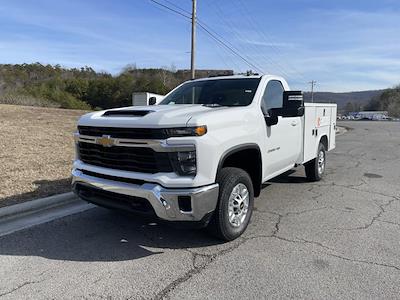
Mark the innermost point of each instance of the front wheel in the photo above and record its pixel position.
(235, 204)
(315, 168)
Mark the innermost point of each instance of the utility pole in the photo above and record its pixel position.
(312, 82)
(192, 60)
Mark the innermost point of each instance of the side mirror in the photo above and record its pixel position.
(152, 100)
(271, 120)
(269, 117)
(293, 98)
(300, 111)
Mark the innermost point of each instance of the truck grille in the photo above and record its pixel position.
(132, 159)
(124, 133)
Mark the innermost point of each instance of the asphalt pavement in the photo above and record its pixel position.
(335, 239)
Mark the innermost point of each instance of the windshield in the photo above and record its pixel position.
(223, 92)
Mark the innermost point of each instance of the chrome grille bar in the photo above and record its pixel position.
(156, 145)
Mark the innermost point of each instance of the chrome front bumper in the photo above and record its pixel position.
(163, 200)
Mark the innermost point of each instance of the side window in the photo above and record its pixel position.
(273, 95)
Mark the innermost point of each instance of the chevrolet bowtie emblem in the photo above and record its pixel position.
(105, 141)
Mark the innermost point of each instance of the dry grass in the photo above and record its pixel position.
(36, 151)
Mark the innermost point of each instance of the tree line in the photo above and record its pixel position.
(388, 100)
(84, 88)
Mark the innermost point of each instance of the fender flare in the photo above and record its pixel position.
(236, 149)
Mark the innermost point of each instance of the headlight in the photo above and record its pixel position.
(187, 131)
(184, 163)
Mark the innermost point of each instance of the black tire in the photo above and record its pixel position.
(220, 226)
(313, 170)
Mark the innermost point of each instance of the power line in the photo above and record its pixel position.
(267, 58)
(176, 6)
(201, 23)
(211, 34)
(222, 57)
(226, 44)
(248, 48)
(263, 34)
(171, 9)
(230, 49)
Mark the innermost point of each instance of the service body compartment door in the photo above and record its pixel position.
(310, 138)
(319, 121)
(323, 126)
(332, 136)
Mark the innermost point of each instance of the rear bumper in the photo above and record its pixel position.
(181, 204)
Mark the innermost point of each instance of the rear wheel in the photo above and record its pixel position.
(235, 204)
(315, 168)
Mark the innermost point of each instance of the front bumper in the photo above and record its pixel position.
(164, 201)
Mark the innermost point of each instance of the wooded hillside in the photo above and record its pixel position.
(54, 86)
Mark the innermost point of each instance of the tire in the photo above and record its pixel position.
(231, 217)
(315, 168)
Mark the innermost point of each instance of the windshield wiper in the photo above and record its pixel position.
(213, 105)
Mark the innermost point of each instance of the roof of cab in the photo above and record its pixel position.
(239, 77)
(228, 77)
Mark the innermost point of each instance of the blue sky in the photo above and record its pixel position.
(344, 45)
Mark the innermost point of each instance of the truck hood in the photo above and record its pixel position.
(146, 116)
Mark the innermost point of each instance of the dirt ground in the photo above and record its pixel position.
(36, 151)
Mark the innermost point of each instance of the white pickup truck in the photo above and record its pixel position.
(202, 154)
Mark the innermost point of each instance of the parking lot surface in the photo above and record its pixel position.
(338, 238)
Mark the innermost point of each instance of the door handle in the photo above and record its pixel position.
(294, 123)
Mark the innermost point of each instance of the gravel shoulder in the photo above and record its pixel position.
(36, 151)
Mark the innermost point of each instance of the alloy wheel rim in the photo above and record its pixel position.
(238, 206)
(321, 162)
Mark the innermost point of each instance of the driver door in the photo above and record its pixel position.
(283, 145)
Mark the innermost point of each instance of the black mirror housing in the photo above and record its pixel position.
(152, 100)
(271, 120)
(293, 98)
(270, 117)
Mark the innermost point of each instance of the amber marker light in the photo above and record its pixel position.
(200, 130)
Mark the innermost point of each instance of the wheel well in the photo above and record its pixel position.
(247, 159)
(324, 141)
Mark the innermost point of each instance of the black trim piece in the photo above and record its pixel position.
(113, 178)
(234, 150)
(144, 160)
(113, 200)
(126, 113)
(185, 203)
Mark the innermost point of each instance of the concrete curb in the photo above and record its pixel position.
(25, 215)
(36, 205)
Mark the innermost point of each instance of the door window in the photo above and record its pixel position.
(273, 95)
